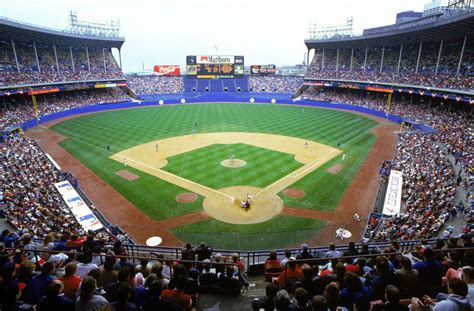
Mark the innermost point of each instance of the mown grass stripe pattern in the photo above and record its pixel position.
(123, 129)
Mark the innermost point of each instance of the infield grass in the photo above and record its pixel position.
(121, 129)
(203, 166)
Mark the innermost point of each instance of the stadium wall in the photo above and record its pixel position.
(153, 100)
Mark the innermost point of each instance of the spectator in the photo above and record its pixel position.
(392, 301)
(70, 281)
(455, 300)
(177, 295)
(39, 283)
(429, 270)
(156, 302)
(268, 302)
(84, 267)
(53, 300)
(87, 299)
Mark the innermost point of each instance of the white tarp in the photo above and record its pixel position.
(393, 197)
(78, 207)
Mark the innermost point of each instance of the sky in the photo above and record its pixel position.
(163, 32)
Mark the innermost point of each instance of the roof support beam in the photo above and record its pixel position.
(400, 58)
(56, 57)
(120, 58)
(88, 61)
(322, 61)
(381, 59)
(352, 59)
(461, 56)
(103, 54)
(419, 55)
(37, 59)
(16, 57)
(72, 59)
(439, 56)
(365, 58)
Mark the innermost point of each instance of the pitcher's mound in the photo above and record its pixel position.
(335, 169)
(293, 193)
(187, 197)
(127, 175)
(233, 163)
(262, 208)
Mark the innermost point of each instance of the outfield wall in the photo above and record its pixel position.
(266, 98)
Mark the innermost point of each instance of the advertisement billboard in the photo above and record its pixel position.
(167, 70)
(263, 69)
(214, 66)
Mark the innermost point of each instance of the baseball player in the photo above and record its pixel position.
(157, 147)
(124, 161)
(343, 157)
(108, 148)
(306, 145)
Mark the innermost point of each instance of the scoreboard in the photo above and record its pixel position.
(214, 66)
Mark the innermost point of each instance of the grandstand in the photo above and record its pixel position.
(434, 51)
(416, 78)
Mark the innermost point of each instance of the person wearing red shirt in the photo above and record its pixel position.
(70, 281)
(291, 274)
(177, 295)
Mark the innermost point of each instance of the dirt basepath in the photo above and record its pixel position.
(359, 197)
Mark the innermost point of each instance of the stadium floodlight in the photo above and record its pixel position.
(105, 30)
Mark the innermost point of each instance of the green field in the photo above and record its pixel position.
(203, 166)
(122, 129)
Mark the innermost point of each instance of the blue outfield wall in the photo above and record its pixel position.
(264, 98)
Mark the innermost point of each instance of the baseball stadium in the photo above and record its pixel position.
(342, 183)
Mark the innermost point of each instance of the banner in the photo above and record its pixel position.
(78, 207)
(263, 69)
(393, 197)
(214, 59)
(167, 70)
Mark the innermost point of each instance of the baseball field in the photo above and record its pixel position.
(184, 170)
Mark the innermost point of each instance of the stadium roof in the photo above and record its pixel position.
(10, 29)
(428, 29)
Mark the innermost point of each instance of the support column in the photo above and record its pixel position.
(322, 61)
(88, 61)
(307, 57)
(365, 58)
(337, 59)
(461, 56)
(37, 59)
(400, 58)
(381, 60)
(418, 59)
(352, 59)
(16, 57)
(103, 54)
(56, 57)
(439, 56)
(120, 58)
(72, 59)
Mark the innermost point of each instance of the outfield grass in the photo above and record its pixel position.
(122, 129)
(279, 232)
(203, 166)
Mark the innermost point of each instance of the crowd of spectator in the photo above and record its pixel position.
(155, 84)
(84, 273)
(72, 65)
(274, 84)
(446, 77)
(385, 281)
(18, 109)
(430, 179)
(31, 202)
